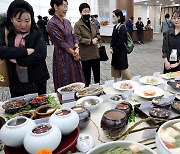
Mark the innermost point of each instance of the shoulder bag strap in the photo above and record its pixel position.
(167, 23)
(6, 35)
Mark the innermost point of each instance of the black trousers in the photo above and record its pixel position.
(21, 90)
(140, 36)
(93, 64)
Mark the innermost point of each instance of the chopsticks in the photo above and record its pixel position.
(148, 143)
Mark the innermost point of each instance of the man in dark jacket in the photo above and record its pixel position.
(129, 26)
(140, 32)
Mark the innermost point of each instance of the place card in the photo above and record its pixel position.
(145, 105)
(105, 97)
(156, 74)
(94, 84)
(30, 96)
(136, 78)
(68, 105)
(109, 83)
(127, 93)
(149, 133)
(16, 98)
(177, 78)
(68, 96)
(42, 120)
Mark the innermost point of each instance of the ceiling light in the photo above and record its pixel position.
(157, 1)
(145, 3)
(171, 0)
(160, 4)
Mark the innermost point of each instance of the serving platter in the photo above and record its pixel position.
(90, 91)
(144, 113)
(151, 80)
(73, 87)
(125, 85)
(149, 91)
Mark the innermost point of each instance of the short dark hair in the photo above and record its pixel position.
(132, 18)
(19, 6)
(83, 6)
(39, 17)
(167, 15)
(176, 12)
(96, 16)
(139, 18)
(57, 2)
(119, 13)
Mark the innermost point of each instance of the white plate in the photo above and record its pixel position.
(151, 80)
(170, 75)
(80, 85)
(133, 83)
(140, 91)
(82, 102)
(90, 91)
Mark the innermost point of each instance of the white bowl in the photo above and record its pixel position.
(49, 139)
(159, 143)
(85, 101)
(123, 144)
(65, 122)
(12, 134)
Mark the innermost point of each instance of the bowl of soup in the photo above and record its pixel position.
(168, 137)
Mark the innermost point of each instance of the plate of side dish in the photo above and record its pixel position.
(170, 75)
(125, 85)
(73, 87)
(149, 91)
(151, 80)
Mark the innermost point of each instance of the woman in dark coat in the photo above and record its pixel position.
(171, 45)
(25, 52)
(119, 60)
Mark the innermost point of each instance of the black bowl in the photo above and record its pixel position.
(175, 84)
(14, 106)
(2, 121)
(84, 116)
(125, 106)
(176, 106)
(38, 101)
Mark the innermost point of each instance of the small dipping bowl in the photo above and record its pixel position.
(125, 106)
(159, 113)
(84, 115)
(44, 111)
(26, 114)
(113, 122)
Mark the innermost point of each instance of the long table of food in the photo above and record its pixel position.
(139, 93)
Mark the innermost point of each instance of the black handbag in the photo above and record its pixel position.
(102, 53)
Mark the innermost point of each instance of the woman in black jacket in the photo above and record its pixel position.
(25, 51)
(119, 60)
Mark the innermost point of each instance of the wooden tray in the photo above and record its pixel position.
(144, 113)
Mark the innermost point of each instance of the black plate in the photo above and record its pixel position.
(174, 107)
(38, 103)
(175, 84)
(159, 113)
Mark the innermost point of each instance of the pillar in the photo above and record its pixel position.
(127, 5)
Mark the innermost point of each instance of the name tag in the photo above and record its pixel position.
(173, 56)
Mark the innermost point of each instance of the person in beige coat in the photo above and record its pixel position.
(88, 35)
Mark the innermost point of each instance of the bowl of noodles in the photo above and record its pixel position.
(123, 147)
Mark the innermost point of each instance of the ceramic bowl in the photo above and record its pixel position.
(44, 111)
(117, 98)
(90, 102)
(156, 103)
(26, 114)
(84, 116)
(14, 130)
(113, 122)
(14, 106)
(159, 113)
(42, 136)
(164, 141)
(125, 106)
(38, 101)
(2, 121)
(66, 120)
